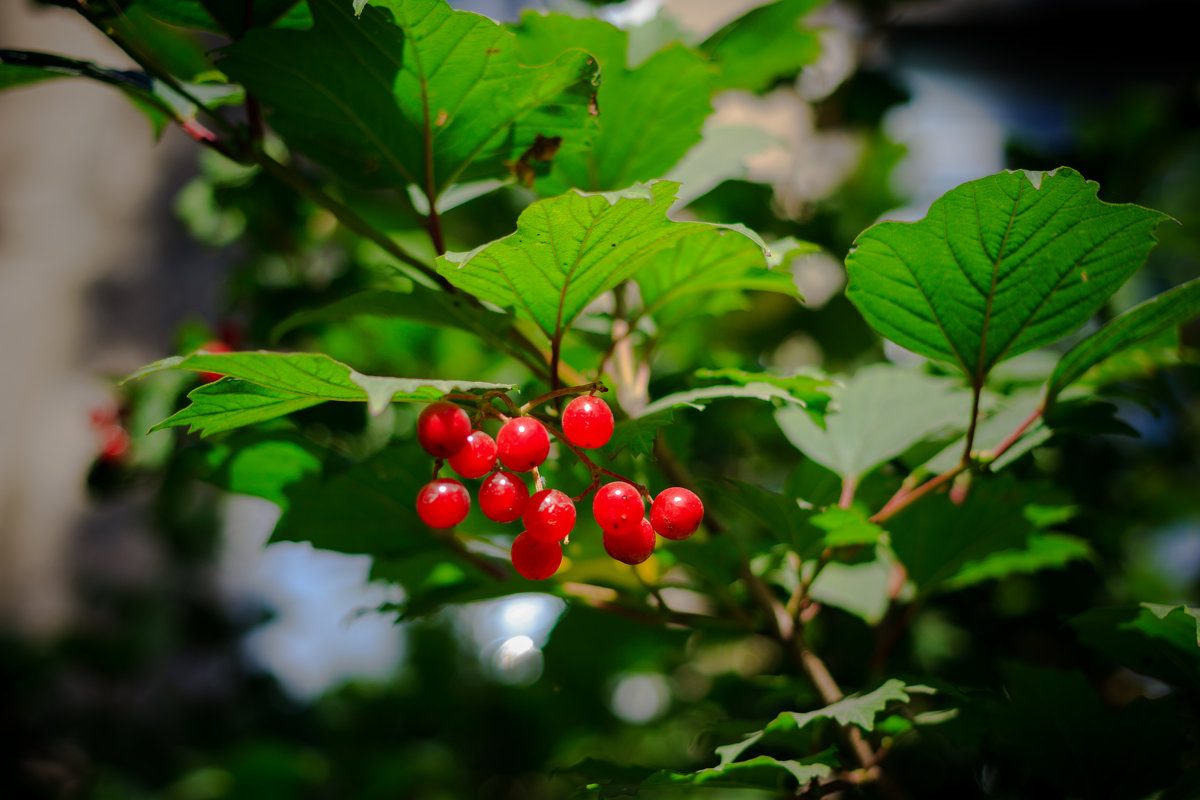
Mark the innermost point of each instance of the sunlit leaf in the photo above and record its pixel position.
(570, 249)
(650, 115)
(766, 44)
(407, 92)
(1000, 266)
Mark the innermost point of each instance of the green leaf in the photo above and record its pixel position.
(225, 16)
(262, 464)
(760, 772)
(1000, 266)
(266, 381)
(995, 425)
(938, 540)
(808, 387)
(880, 412)
(698, 398)
(721, 155)
(847, 526)
(1163, 312)
(1040, 552)
(1157, 640)
(411, 92)
(706, 265)
(858, 709)
(783, 517)
(430, 306)
(230, 403)
(650, 116)
(768, 43)
(639, 434)
(859, 589)
(569, 250)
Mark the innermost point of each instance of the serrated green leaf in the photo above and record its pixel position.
(760, 772)
(847, 526)
(1039, 552)
(999, 266)
(880, 412)
(639, 434)
(230, 403)
(766, 44)
(1157, 640)
(650, 116)
(705, 266)
(568, 250)
(410, 92)
(1163, 312)
(266, 380)
(937, 539)
(858, 709)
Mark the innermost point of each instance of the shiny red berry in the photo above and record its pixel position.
(676, 513)
(522, 444)
(443, 503)
(550, 515)
(631, 548)
(477, 457)
(618, 508)
(587, 422)
(535, 559)
(442, 429)
(503, 497)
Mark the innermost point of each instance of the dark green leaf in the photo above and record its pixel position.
(262, 465)
(1000, 266)
(411, 92)
(1040, 551)
(639, 434)
(1164, 312)
(230, 403)
(880, 412)
(568, 250)
(768, 43)
(1157, 640)
(760, 772)
(650, 116)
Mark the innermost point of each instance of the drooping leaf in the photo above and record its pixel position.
(766, 44)
(411, 92)
(999, 266)
(1163, 312)
(859, 709)
(570, 249)
(880, 412)
(650, 115)
(271, 384)
(1156, 640)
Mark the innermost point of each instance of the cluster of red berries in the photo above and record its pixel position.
(548, 516)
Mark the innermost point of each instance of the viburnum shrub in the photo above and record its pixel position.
(530, 242)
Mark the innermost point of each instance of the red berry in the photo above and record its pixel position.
(477, 458)
(550, 515)
(442, 429)
(618, 508)
(214, 346)
(535, 559)
(631, 548)
(522, 444)
(676, 513)
(443, 503)
(114, 442)
(503, 497)
(587, 422)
